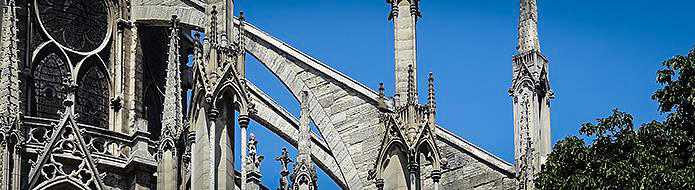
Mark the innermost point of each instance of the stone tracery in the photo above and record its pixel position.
(79, 25)
(220, 88)
(49, 88)
(93, 98)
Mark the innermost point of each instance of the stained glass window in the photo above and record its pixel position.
(79, 25)
(93, 98)
(49, 90)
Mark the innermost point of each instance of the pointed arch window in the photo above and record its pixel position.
(49, 88)
(93, 98)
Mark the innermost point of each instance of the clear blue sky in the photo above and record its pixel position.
(603, 55)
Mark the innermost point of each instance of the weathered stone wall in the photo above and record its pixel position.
(466, 171)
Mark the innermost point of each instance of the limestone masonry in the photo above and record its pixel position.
(93, 95)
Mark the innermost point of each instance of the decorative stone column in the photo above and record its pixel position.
(380, 184)
(212, 117)
(143, 164)
(436, 176)
(243, 124)
(191, 139)
(5, 151)
(412, 169)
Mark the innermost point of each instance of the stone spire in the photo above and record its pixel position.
(412, 89)
(241, 59)
(212, 33)
(304, 173)
(412, 108)
(11, 158)
(9, 67)
(405, 14)
(172, 115)
(212, 50)
(528, 27)
(431, 103)
(531, 94)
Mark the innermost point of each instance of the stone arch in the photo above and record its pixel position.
(278, 120)
(89, 62)
(231, 91)
(152, 111)
(393, 169)
(62, 184)
(332, 96)
(50, 73)
(326, 107)
(427, 147)
(93, 92)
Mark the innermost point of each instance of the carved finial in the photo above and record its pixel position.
(415, 9)
(212, 34)
(430, 94)
(197, 37)
(394, 9)
(412, 92)
(382, 97)
(381, 90)
(242, 30)
(284, 160)
(174, 21)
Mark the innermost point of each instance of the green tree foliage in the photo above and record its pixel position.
(657, 155)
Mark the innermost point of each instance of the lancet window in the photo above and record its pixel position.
(93, 98)
(49, 86)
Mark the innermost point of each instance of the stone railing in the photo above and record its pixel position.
(107, 147)
(421, 113)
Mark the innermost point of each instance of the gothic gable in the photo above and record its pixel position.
(65, 159)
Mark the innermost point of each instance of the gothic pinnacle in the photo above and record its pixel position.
(412, 92)
(242, 22)
(171, 118)
(212, 34)
(430, 94)
(382, 98)
(528, 27)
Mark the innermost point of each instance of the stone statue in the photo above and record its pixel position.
(254, 161)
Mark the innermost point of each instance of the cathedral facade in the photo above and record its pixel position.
(93, 95)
